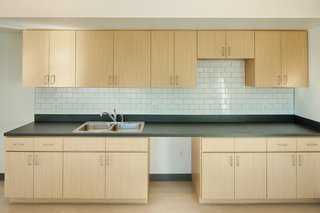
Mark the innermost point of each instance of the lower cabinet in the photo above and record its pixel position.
(308, 175)
(127, 175)
(250, 175)
(218, 175)
(84, 175)
(281, 175)
(79, 168)
(256, 169)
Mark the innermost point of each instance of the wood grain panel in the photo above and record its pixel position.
(211, 44)
(240, 44)
(126, 144)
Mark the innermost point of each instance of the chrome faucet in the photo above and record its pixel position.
(112, 116)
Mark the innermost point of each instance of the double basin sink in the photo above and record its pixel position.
(110, 127)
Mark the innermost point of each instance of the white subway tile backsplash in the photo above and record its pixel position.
(220, 90)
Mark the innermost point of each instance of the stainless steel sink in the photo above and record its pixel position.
(110, 127)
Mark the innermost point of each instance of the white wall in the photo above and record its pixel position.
(163, 8)
(17, 103)
(307, 100)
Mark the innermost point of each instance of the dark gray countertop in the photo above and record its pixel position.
(174, 130)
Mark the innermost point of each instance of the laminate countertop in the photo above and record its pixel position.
(174, 130)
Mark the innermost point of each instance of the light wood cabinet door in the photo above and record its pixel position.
(217, 176)
(265, 69)
(132, 59)
(35, 59)
(294, 58)
(84, 175)
(211, 44)
(127, 175)
(250, 175)
(281, 175)
(185, 58)
(19, 175)
(47, 175)
(308, 175)
(94, 59)
(162, 74)
(240, 44)
(62, 59)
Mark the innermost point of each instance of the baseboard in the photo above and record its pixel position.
(1, 176)
(170, 177)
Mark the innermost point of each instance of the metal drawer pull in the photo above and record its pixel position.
(282, 144)
(18, 144)
(312, 144)
(238, 161)
(53, 79)
(115, 80)
(110, 80)
(279, 80)
(223, 51)
(285, 79)
(231, 161)
(300, 160)
(177, 80)
(293, 160)
(48, 144)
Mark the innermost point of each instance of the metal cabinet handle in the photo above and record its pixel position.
(231, 161)
(312, 144)
(46, 79)
(229, 51)
(48, 144)
(285, 78)
(29, 160)
(293, 160)
(52, 79)
(171, 80)
(238, 160)
(115, 80)
(300, 160)
(36, 160)
(101, 160)
(110, 80)
(108, 160)
(18, 144)
(279, 79)
(223, 51)
(177, 80)
(282, 144)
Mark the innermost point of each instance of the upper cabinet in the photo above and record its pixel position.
(173, 58)
(48, 58)
(132, 58)
(280, 60)
(94, 59)
(225, 44)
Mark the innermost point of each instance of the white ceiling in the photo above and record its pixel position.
(157, 23)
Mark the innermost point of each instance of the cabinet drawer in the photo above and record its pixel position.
(84, 144)
(19, 144)
(127, 144)
(281, 144)
(48, 144)
(250, 144)
(308, 144)
(217, 144)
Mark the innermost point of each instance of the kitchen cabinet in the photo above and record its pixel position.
(185, 59)
(218, 175)
(127, 168)
(94, 59)
(280, 60)
(127, 175)
(225, 44)
(131, 59)
(84, 175)
(250, 175)
(173, 59)
(162, 56)
(32, 174)
(48, 58)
